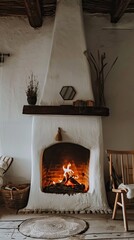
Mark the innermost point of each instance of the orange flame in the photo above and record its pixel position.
(68, 171)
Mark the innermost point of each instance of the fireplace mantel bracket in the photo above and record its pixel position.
(65, 110)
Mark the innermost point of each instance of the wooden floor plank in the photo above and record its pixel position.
(101, 226)
(9, 224)
(112, 236)
(6, 233)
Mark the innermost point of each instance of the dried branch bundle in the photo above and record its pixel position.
(99, 66)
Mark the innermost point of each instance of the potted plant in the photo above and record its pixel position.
(32, 90)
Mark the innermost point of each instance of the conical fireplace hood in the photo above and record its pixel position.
(68, 65)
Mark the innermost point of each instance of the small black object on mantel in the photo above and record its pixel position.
(32, 100)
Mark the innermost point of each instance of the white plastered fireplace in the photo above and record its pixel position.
(68, 67)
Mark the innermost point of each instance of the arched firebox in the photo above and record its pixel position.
(65, 169)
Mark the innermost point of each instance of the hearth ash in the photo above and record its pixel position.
(68, 184)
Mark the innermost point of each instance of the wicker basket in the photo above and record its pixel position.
(15, 196)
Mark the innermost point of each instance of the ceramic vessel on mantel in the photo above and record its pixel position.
(31, 100)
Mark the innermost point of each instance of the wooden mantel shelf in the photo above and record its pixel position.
(65, 110)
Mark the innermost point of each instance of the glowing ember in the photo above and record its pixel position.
(68, 184)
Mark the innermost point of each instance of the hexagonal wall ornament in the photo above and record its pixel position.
(67, 92)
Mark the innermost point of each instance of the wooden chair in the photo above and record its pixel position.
(121, 169)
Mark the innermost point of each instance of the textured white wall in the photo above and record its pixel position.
(68, 65)
(116, 40)
(29, 50)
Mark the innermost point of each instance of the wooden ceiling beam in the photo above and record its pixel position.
(33, 10)
(118, 9)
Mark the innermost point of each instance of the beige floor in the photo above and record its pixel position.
(100, 226)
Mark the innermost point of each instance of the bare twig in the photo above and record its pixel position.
(111, 68)
(93, 62)
(101, 75)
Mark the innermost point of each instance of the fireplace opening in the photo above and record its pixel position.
(65, 169)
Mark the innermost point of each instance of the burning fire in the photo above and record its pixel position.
(68, 184)
(68, 174)
(67, 171)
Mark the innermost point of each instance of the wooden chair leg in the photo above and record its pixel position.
(115, 206)
(124, 212)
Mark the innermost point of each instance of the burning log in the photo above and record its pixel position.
(60, 188)
(69, 184)
(70, 180)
